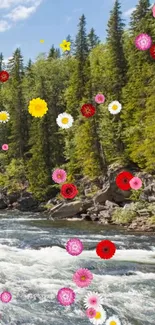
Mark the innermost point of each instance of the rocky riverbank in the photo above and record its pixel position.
(100, 201)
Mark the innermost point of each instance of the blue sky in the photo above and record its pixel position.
(23, 23)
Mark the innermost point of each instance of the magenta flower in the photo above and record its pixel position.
(59, 176)
(66, 296)
(135, 183)
(99, 98)
(143, 42)
(5, 147)
(83, 278)
(5, 296)
(74, 246)
(90, 312)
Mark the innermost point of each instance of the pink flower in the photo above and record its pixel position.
(59, 176)
(90, 312)
(93, 300)
(66, 296)
(143, 42)
(99, 98)
(83, 278)
(5, 147)
(153, 11)
(74, 246)
(6, 296)
(135, 183)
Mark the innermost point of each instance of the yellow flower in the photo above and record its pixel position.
(4, 116)
(37, 107)
(42, 41)
(65, 45)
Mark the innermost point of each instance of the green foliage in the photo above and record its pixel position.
(123, 215)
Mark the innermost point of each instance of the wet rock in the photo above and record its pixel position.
(13, 197)
(66, 210)
(3, 204)
(27, 204)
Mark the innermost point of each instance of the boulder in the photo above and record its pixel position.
(13, 197)
(3, 204)
(66, 210)
(27, 204)
(86, 204)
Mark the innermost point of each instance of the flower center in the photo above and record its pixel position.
(105, 249)
(113, 322)
(83, 278)
(3, 116)
(87, 109)
(114, 107)
(64, 120)
(37, 107)
(125, 180)
(98, 315)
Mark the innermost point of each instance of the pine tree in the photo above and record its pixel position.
(93, 39)
(54, 53)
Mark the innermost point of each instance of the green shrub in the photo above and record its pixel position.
(152, 220)
(123, 215)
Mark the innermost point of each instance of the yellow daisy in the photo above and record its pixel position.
(37, 107)
(4, 117)
(65, 45)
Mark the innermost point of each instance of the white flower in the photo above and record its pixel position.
(93, 300)
(4, 116)
(100, 317)
(64, 120)
(113, 320)
(114, 107)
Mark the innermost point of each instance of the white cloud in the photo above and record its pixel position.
(129, 12)
(6, 60)
(5, 4)
(21, 13)
(4, 25)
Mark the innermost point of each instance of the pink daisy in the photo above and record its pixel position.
(66, 296)
(90, 312)
(59, 176)
(135, 183)
(83, 278)
(99, 98)
(5, 147)
(5, 296)
(143, 42)
(93, 300)
(74, 246)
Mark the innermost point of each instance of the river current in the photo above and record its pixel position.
(34, 265)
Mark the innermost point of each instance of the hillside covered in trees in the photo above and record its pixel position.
(116, 69)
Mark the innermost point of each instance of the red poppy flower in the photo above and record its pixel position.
(123, 179)
(152, 51)
(69, 191)
(88, 110)
(105, 249)
(4, 76)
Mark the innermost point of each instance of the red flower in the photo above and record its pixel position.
(105, 249)
(123, 179)
(69, 191)
(88, 110)
(4, 76)
(152, 51)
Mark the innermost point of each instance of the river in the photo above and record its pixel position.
(34, 266)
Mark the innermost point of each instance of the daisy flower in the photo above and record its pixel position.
(90, 312)
(65, 45)
(37, 107)
(66, 296)
(93, 300)
(114, 107)
(135, 183)
(4, 116)
(5, 296)
(105, 249)
(113, 320)
(83, 278)
(100, 317)
(64, 120)
(5, 147)
(74, 246)
(59, 176)
(99, 99)
(143, 42)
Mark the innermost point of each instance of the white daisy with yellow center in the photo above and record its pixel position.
(65, 120)
(100, 317)
(4, 117)
(114, 320)
(114, 107)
